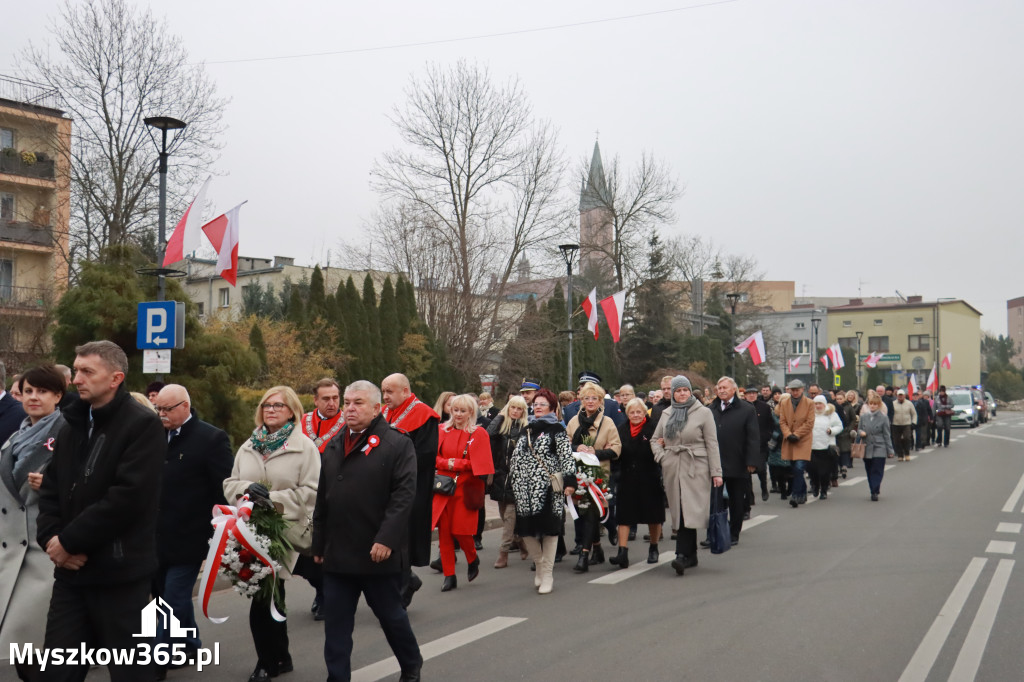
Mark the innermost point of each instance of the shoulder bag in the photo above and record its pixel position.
(858, 448)
(556, 480)
(719, 535)
(445, 485)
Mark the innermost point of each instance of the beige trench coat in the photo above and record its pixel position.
(689, 464)
(607, 437)
(293, 473)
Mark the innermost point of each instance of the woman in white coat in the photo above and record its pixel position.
(26, 572)
(824, 456)
(685, 443)
(279, 456)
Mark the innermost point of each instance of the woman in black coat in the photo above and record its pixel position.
(504, 432)
(641, 496)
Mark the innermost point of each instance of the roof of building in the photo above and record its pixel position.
(856, 305)
(595, 188)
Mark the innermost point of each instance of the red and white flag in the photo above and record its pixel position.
(755, 344)
(835, 353)
(872, 360)
(824, 360)
(614, 308)
(793, 363)
(590, 308)
(947, 362)
(222, 232)
(933, 381)
(185, 238)
(912, 388)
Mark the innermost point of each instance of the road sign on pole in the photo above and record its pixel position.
(160, 324)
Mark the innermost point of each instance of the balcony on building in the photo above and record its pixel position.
(25, 233)
(23, 300)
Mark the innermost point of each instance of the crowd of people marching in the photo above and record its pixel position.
(364, 478)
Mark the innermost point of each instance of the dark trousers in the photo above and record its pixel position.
(591, 533)
(686, 539)
(922, 435)
(313, 572)
(821, 464)
(942, 426)
(783, 479)
(901, 439)
(845, 459)
(798, 486)
(737, 487)
(875, 468)
(174, 585)
(269, 636)
(341, 595)
(104, 616)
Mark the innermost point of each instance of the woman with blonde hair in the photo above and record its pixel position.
(641, 498)
(504, 432)
(874, 430)
(592, 432)
(278, 456)
(443, 405)
(463, 453)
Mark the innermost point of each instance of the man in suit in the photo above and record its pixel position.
(198, 460)
(765, 426)
(739, 448)
(11, 411)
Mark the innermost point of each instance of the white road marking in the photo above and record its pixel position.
(1000, 547)
(854, 481)
(756, 521)
(617, 576)
(928, 650)
(1009, 527)
(992, 435)
(890, 466)
(1014, 498)
(966, 667)
(382, 669)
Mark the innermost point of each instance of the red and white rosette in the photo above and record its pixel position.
(228, 522)
(371, 442)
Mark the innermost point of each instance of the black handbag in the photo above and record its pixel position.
(445, 485)
(719, 535)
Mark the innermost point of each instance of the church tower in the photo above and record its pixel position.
(596, 232)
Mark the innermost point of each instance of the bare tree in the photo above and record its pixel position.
(634, 203)
(115, 65)
(474, 189)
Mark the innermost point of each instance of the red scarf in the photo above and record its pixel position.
(635, 429)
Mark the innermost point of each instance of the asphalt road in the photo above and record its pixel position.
(921, 585)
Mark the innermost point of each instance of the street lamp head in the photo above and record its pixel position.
(815, 321)
(860, 335)
(164, 123)
(568, 252)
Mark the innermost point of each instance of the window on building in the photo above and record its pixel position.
(744, 298)
(847, 324)
(918, 342)
(799, 325)
(918, 320)
(848, 342)
(6, 279)
(6, 206)
(801, 347)
(878, 344)
(878, 323)
(6, 138)
(201, 309)
(224, 297)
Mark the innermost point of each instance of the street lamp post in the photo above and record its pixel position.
(860, 334)
(783, 345)
(163, 124)
(815, 321)
(733, 298)
(569, 252)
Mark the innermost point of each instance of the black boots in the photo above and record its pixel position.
(681, 563)
(622, 559)
(596, 555)
(450, 583)
(474, 569)
(583, 563)
(652, 554)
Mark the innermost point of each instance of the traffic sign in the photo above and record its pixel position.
(160, 324)
(837, 380)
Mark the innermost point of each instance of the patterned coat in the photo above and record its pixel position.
(529, 478)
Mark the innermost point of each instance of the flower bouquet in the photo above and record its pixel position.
(591, 484)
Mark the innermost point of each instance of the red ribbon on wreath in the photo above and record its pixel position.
(227, 522)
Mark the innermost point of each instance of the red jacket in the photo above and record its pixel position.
(472, 455)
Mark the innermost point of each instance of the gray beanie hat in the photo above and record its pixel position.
(679, 381)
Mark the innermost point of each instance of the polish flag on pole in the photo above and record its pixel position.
(794, 363)
(872, 360)
(947, 362)
(222, 232)
(824, 360)
(614, 306)
(835, 353)
(933, 381)
(590, 308)
(912, 388)
(755, 344)
(185, 238)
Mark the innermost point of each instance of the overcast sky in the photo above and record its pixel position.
(868, 145)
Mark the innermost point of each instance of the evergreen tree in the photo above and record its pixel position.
(373, 353)
(405, 300)
(317, 295)
(257, 345)
(296, 313)
(350, 310)
(390, 333)
(651, 341)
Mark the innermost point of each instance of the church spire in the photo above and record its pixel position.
(595, 188)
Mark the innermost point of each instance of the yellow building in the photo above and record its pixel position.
(913, 337)
(34, 211)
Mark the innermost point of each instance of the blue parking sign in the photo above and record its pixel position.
(161, 324)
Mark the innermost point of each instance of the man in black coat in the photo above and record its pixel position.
(11, 411)
(98, 511)
(765, 426)
(360, 531)
(739, 447)
(198, 460)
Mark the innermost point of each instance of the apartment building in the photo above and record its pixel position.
(34, 213)
(1015, 329)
